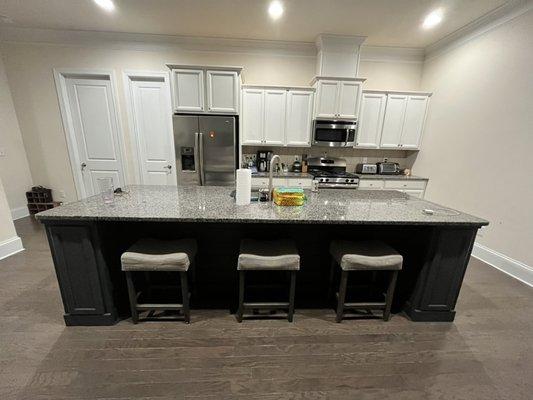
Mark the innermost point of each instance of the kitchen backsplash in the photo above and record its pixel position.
(352, 156)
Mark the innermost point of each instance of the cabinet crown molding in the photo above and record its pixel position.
(335, 78)
(280, 87)
(205, 67)
(407, 92)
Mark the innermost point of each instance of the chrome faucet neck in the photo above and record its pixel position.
(276, 158)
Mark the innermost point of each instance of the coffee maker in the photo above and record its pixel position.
(261, 161)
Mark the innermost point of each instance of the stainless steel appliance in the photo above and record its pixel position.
(388, 168)
(366, 168)
(205, 149)
(331, 173)
(334, 133)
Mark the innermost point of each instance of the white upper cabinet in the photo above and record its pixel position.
(327, 97)
(349, 95)
(371, 120)
(337, 98)
(252, 116)
(393, 123)
(276, 116)
(203, 90)
(274, 126)
(298, 118)
(188, 90)
(415, 116)
(222, 92)
(404, 121)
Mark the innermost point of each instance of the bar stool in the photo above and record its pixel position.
(364, 256)
(149, 255)
(267, 255)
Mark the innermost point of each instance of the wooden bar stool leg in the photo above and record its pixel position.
(185, 295)
(342, 296)
(240, 310)
(390, 295)
(133, 297)
(291, 296)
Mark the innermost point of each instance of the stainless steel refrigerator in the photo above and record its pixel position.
(205, 149)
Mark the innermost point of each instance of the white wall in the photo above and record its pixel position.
(29, 69)
(479, 135)
(10, 243)
(14, 168)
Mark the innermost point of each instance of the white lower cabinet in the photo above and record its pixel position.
(276, 116)
(262, 182)
(415, 188)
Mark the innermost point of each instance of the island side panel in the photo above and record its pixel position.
(439, 282)
(82, 274)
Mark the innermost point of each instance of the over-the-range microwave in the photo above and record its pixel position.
(334, 133)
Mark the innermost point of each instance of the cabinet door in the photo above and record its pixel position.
(348, 104)
(298, 120)
(188, 90)
(252, 116)
(415, 115)
(274, 125)
(393, 122)
(327, 99)
(371, 120)
(223, 92)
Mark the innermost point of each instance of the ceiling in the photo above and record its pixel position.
(385, 22)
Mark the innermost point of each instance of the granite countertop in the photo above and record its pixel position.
(214, 204)
(295, 175)
(392, 177)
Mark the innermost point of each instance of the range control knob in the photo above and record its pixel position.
(347, 180)
(327, 180)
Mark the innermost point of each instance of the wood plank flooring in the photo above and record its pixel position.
(485, 354)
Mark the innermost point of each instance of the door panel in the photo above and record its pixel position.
(371, 120)
(274, 126)
(252, 116)
(185, 128)
(327, 99)
(298, 118)
(223, 91)
(94, 121)
(218, 144)
(415, 115)
(153, 131)
(188, 89)
(349, 99)
(393, 123)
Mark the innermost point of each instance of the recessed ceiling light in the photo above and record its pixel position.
(432, 19)
(275, 9)
(107, 5)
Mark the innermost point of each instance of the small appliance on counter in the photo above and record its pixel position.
(296, 165)
(366, 168)
(261, 161)
(388, 168)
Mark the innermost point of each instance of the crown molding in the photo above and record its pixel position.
(479, 26)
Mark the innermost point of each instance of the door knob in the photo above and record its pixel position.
(83, 165)
(168, 167)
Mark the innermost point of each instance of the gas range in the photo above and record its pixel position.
(331, 173)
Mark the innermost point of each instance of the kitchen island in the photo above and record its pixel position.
(87, 238)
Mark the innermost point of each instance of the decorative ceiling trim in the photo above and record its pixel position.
(147, 42)
(479, 26)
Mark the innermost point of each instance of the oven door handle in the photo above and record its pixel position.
(347, 136)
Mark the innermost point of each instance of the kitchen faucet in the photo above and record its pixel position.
(270, 175)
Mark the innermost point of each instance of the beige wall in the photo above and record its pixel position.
(479, 138)
(29, 69)
(7, 229)
(14, 168)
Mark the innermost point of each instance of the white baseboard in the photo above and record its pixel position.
(19, 212)
(514, 268)
(10, 246)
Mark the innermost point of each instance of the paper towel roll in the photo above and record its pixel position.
(244, 187)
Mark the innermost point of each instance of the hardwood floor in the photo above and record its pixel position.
(485, 354)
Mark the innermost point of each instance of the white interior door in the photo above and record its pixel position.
(90, 109)
(151, 120)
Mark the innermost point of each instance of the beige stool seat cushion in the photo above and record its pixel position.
(259, 255)
(159, 255)
(365, 255)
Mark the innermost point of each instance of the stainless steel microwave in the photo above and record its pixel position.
(334, 133)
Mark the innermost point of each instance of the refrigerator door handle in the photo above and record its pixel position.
(198, 161)
(201, 149)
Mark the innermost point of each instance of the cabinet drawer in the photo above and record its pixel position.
(399, 184)
(263, 182)
(371, 184)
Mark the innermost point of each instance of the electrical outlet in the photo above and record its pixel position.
(2, 152)
(365, 160)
